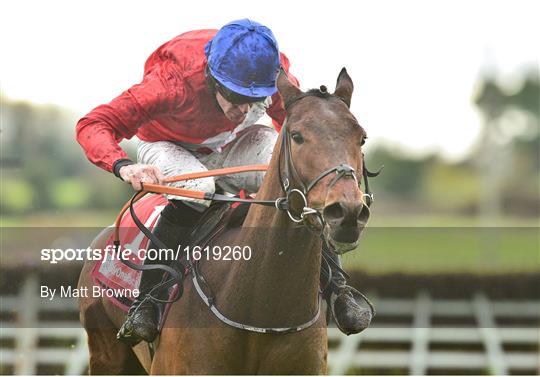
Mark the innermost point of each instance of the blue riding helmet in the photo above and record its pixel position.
(244, 57)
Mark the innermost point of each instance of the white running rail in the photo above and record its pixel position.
(414, 344)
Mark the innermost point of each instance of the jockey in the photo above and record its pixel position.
(196, 109)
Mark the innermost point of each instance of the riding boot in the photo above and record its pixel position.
(173, 228)
(349, 315)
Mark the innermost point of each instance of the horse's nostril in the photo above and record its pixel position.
(363, 215)
(334, 212)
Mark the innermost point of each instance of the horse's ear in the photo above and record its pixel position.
(285, 87)
(344, 87)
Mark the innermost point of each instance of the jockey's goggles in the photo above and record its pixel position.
(233, 97)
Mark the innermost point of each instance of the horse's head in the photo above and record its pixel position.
(321, 156)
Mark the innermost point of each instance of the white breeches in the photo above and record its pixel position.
(253, 146)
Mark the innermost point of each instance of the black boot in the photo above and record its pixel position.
(142, 320)
(349, 315)
(173, 229)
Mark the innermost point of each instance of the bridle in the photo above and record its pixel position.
(287, 175)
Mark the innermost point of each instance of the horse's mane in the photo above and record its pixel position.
(319, 92)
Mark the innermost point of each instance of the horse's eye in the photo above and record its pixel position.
(363, 141)
(298, 139)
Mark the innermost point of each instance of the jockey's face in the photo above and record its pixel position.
(236, 113)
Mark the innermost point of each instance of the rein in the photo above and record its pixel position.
(162, 189)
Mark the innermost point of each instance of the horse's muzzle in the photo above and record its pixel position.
(344, 224)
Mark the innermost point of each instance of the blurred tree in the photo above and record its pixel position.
(527, 99)
(43, 167)
(451, 187)
(16, 195)
(508, 150)
(402, 175)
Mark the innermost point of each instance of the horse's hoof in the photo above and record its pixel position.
(350, 317)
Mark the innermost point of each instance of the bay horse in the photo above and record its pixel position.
(316, 163)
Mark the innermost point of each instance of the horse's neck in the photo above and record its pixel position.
(280, 283)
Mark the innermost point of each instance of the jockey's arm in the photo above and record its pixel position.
(100, 131)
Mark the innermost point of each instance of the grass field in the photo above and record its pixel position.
(412, 244)
(438, 244)
(434, 250)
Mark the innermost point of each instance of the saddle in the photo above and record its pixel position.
(218, 217)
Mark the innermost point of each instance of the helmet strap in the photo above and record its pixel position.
(211, 83)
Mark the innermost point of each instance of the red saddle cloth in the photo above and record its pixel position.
(110, 272)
